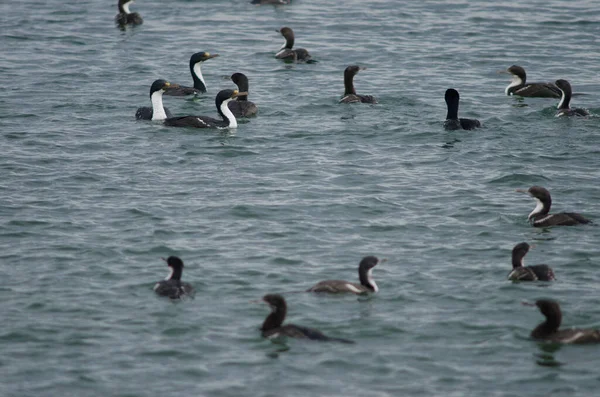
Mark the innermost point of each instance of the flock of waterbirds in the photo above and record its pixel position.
(232, 104)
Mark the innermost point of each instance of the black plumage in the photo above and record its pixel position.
(273, 325)
(172, 287)
(350, 95)
(242, 107)
(452, 121)
(528, 273)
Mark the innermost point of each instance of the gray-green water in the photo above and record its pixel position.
(90, 199)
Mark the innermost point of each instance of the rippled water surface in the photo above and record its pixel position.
(91, 199)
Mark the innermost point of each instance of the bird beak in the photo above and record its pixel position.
(236, 94)
(383, 260)
(212, 56)
(503, 72)
(164, 260)
(521, 191)
(527, 303)
(362, 68)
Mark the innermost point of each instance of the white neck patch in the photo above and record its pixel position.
(538, 208)
(228, 114)
(516, 81)
(171, 270)
(158, 111)
(198, 72)
(562, 100)
(126, 7)
(371, 281)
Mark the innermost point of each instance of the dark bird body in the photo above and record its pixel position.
(452, 121)
(367, 284)
(221, 101)
(548, 330)
(199, 87)
(528, 273)
(242, 107)
(125, 17)
(540, 216)
(563, 105)
(273, 325)
(520, 87)
(157, 111)
(172, 287)
(289, 54)
(350, 95)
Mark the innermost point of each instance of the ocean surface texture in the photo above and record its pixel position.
(90, 199)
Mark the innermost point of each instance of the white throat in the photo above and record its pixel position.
(516, 81)
(371, 281)
(198, 72)
(538, 208)
(126, 7)
(171, 270)
(562, 100)
(158, 111)
(228, 114)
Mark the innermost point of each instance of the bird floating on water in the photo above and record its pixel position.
(172, 287)
(520, 87)
(563, 105)
(452, 122)
(548, 330)
(157, 111)
(199, 87)
(365, 276)
(528, 273)
(221, 101)
(350, 95)
(273, 326)
(126, 17)
(242, 107)
(287, 53)
(540, 216)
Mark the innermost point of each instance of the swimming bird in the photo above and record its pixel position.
(199, 87)
(172, 286)
(563, 105)
(365, 275)
(125, 17)
(272, 326)
(452, 121)
(286, 52)
(540, 216)
(157, 111)
(548, 330)
(350, 95)
(520, 87)
(242, 107)
(528, 273)
(221, 101)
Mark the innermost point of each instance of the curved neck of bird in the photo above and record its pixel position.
(228, 117)
(541, 208)
(548, 327)
(174, 274)
(366, 279)
(275, 319)
(199, 83)
(349, 84)
(452, 109)
(564, 100)
(518, 259)
(289, 42)
(242, 87)
(516, 83)
(158, 110)
(124, 8)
